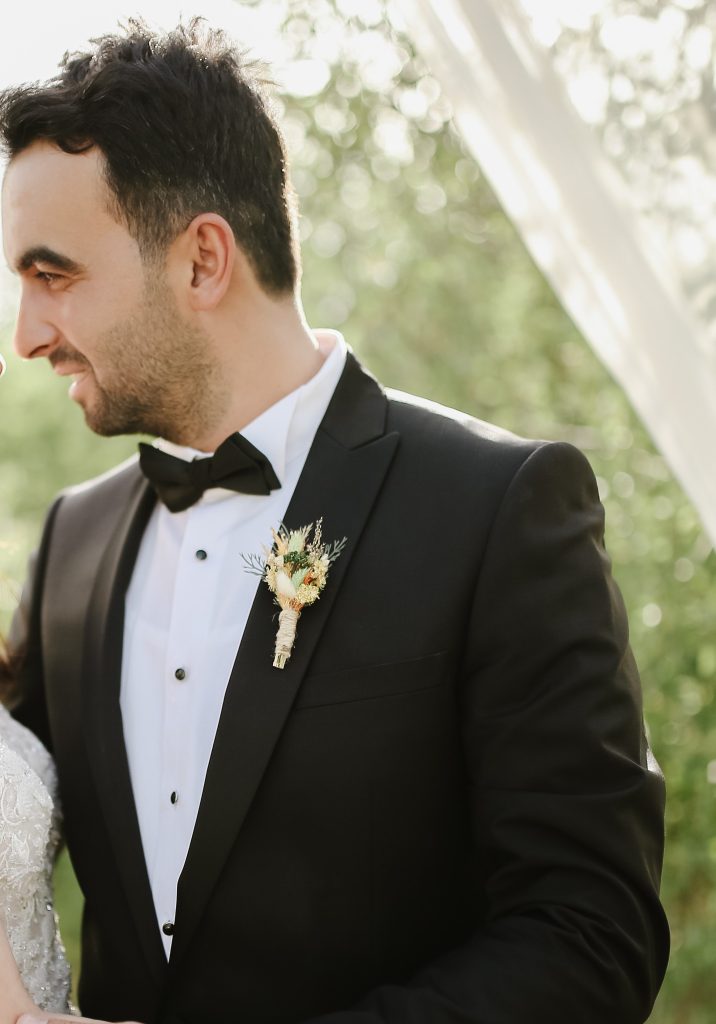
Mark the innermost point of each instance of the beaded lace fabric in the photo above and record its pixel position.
(29, 837)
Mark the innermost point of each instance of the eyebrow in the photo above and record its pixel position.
(41, 254)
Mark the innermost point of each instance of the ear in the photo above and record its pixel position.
(210, 247)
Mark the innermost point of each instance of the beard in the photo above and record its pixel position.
(156, 373)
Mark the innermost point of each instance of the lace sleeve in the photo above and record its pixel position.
(26, 820)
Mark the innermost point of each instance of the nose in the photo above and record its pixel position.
(35, 334)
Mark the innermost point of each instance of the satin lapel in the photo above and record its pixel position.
(340, 482)
(104, 632)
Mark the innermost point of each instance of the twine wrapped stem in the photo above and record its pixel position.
(287, 622)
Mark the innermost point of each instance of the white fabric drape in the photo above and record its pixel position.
(621, 219)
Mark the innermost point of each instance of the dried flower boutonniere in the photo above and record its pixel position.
(295, 570)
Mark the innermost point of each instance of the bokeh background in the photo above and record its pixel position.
(408, 253)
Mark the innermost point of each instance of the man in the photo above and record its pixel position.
(442, 809)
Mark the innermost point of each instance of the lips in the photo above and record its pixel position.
(78, 371)
(69, 371)
(76, 385)
(67, 361)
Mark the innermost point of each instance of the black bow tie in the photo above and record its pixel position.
(235, 465)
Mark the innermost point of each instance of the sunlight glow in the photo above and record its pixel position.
(27, 54)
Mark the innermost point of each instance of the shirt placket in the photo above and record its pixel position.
(181, 670)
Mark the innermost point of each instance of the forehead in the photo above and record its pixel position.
(57, 200)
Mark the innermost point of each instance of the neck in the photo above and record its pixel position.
(272, 353)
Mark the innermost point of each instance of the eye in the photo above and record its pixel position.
(47, 276)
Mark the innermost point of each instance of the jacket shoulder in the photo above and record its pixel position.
(118, 476)
(442, 433)
(109, 488)
(447, 445)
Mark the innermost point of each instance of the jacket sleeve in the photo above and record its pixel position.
(565, 798)
(25, 643)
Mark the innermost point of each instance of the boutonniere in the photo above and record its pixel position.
(295, 570)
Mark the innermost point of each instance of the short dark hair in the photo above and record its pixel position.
(184, 124)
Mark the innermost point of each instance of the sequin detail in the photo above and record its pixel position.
(29, 839)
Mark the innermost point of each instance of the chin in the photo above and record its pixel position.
(101, 423)
(110, 423)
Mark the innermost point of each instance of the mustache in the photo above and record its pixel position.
(65, 354)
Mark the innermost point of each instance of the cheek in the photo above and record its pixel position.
(116, 351)
(75, 316)
(90, 324)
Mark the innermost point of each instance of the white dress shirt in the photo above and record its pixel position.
(185, 613)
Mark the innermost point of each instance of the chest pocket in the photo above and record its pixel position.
(371, 682)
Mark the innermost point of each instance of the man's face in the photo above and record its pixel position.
(90, 305)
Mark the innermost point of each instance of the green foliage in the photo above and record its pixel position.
(406, 250)
(67, 903)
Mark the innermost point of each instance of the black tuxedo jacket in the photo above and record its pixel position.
(441, 811)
